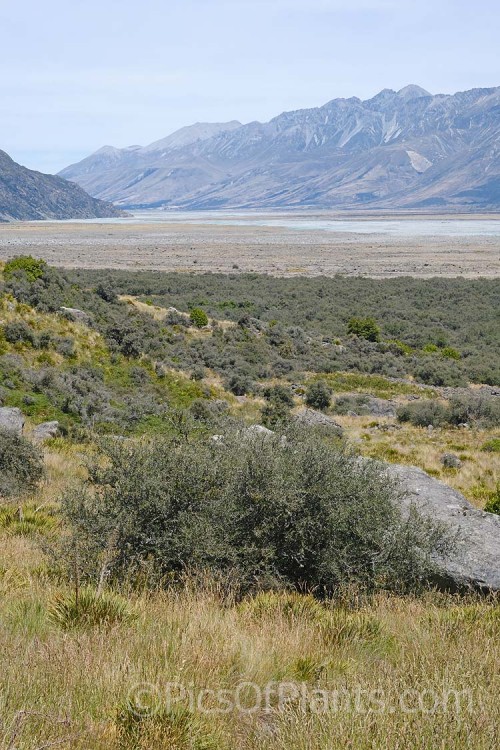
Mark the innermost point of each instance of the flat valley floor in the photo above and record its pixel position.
(277, 250)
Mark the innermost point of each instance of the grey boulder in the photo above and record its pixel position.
(312, 418)
(75, 314)
(474, 563)
(45, 431)
(11, 419)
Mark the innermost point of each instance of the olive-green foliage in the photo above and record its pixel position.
(459, 313)
(288, 326)
(21, 465)
(365, 328)
(318, 395)
(478, 408)
(277, 410)
(424, 413)
(198, 317)
(269, 511)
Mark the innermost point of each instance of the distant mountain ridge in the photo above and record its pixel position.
(400, 149)
(29, 196)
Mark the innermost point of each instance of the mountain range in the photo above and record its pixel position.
(404, 149)
(26, 195)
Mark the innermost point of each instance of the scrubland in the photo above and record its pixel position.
(136, 662)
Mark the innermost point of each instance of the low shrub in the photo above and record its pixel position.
(478, 407)
(21, 465)
(198, 317)
(31, 268)
(19, 332)
(269, 512)
(318, 395)
(424, 413)
(365, 328)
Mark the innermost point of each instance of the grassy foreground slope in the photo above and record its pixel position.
(133, 666)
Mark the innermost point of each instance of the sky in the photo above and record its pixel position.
(78, 74)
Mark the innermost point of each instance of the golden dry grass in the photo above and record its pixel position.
(75, 688)
(478, 476)
(77, 684)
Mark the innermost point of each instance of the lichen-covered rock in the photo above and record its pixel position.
(11, 419)
(475, 561)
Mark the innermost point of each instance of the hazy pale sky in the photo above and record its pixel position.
(78, 74)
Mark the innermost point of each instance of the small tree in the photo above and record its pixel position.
(365, 328)
(33, 268)
(198, 317)
(318, 395)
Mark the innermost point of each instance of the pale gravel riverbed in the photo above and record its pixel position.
(175, 244)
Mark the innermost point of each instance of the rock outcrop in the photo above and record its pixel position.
(11, 419)
(45, 431)
(475, 561)
(312, 418)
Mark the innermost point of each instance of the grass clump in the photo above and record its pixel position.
(88, 608)
(26, 520)
(152, 726)
(491, 446)
(290, 605)
(493, 503)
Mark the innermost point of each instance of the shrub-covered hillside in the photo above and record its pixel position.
(440, 330)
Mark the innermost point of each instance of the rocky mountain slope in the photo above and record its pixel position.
(405, 149)
(28, 195)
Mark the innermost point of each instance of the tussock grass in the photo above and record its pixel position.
(195, 638)
(88, 608)
(477, 478)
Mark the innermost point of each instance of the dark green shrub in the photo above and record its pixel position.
(198, 317)
(106, 292)
(21, 465)
(279, 394)
(198, 373)
(266, 512)
(365, 328)
(318, 395)
(275, 413)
